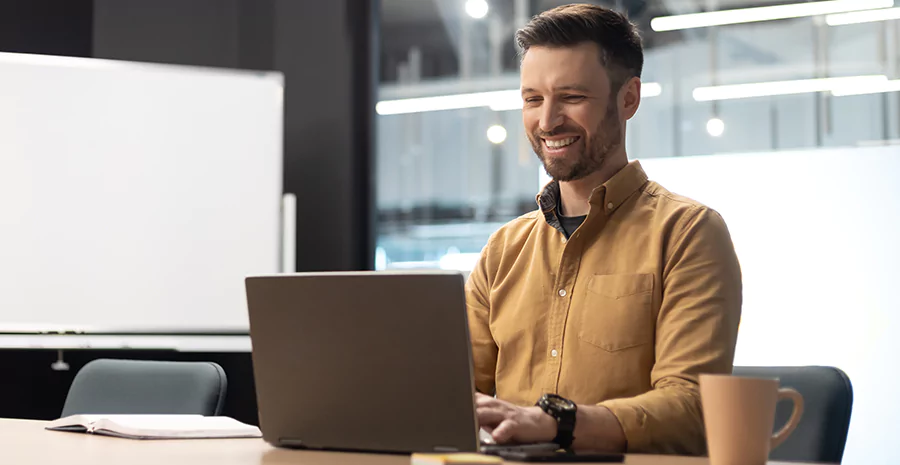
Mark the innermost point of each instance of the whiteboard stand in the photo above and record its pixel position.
(289, 233)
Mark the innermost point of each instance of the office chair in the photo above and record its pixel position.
(106, 386)
(828, 400)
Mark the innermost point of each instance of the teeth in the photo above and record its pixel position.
(559, 143)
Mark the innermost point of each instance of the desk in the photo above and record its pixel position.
(26, 442)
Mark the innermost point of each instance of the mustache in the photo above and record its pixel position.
(556, 132)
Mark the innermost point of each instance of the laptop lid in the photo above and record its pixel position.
(367, 361)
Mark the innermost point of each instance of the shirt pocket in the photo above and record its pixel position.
(617, 311)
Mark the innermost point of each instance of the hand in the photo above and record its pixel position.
(510, 423)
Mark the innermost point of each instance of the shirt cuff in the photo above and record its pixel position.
(633, 419)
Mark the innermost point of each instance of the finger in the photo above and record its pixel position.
(490, 416)
(492, 401)
(505, 432)
(484, 401)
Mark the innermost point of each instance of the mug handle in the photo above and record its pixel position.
(779, 437)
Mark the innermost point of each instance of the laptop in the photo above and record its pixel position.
(364, 361)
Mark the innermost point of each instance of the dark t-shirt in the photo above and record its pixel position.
(571, 223)
(568, 223)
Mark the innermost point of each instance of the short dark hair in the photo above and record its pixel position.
(621, 52)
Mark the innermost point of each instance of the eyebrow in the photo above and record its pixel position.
(574, 87)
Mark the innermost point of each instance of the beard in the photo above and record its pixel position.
(607, 137)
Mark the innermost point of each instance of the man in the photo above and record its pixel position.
(605, 304)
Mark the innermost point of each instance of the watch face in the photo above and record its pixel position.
(559, 403)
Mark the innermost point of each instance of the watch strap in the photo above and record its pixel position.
(565, 420)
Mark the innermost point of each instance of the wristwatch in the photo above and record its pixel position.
(563, 410)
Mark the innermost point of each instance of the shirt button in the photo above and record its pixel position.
(610, 205)
(562, 292)
(554, 352)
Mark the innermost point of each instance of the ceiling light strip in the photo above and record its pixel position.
(880, 88)
(867, 16)
(763, 13)
(801, 86)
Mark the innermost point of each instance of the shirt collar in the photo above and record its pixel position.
(608, 196)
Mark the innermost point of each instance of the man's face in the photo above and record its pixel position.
(569, 116)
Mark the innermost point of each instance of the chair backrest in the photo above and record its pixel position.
(107, 386)
(828, 400)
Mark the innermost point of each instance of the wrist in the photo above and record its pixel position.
(547, 425)
(614, 432)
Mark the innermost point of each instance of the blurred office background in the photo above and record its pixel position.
(447, 178)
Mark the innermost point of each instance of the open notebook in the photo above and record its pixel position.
(156, 426)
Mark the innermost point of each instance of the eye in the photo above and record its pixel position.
(533, 100)
(573, 98)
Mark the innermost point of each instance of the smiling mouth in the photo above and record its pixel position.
(560, 143)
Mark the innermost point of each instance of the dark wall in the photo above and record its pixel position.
(195, 32)
(326, 51)
(53, 27)
(256, 34)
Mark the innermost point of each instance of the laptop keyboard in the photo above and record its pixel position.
(489, 446)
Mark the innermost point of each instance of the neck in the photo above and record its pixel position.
(575, 195)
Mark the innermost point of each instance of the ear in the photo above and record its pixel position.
(630, 97)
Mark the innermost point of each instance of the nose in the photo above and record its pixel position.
(551, 117)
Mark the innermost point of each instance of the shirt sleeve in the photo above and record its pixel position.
(478, 305)
(696, 332)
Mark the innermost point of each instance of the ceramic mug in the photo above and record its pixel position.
(739, 414)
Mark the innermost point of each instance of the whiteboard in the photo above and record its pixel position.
(135, 197)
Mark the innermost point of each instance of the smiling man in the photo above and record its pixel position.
(592, 317)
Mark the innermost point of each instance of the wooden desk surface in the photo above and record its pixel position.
(26, 442)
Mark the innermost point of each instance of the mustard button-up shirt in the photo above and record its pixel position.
(643, 297)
